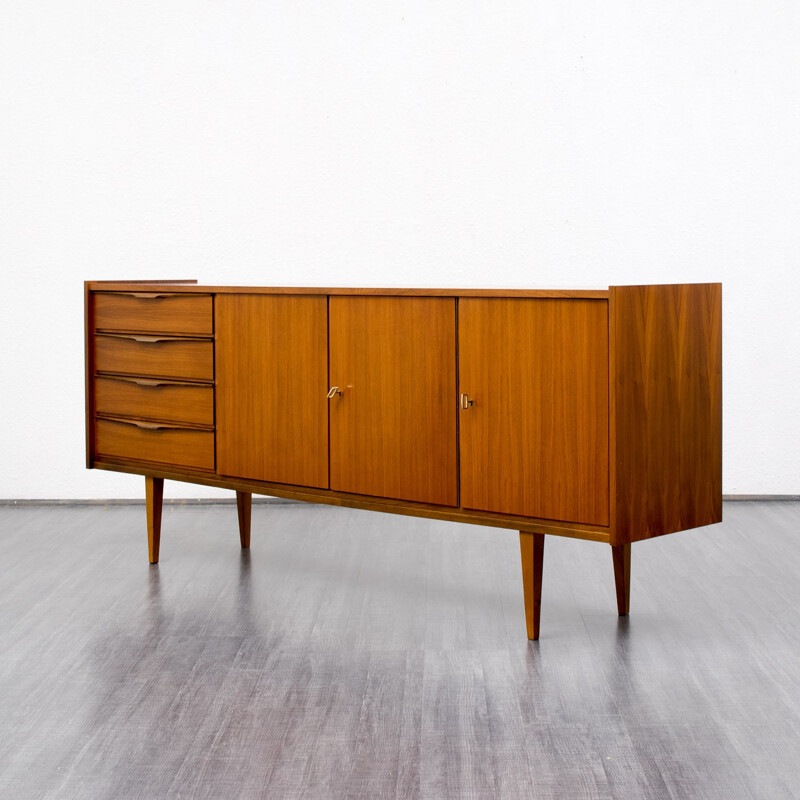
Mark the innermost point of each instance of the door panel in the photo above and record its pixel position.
(272, 372)
(535, 442)
(393, 428)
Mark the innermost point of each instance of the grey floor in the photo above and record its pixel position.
(359, 655)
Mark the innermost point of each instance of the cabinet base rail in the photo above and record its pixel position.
(531, 553)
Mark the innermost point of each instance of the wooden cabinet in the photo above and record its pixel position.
(590, 414)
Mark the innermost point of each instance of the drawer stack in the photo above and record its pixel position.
(154, 378)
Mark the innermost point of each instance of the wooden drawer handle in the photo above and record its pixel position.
(135, 337)
(143, 382)
(156, 295)
(147, 426)
(138, 381)
(148, 339)
(138, 338)
(153, 426)
(142, 295)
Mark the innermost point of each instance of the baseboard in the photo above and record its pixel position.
(760, 497)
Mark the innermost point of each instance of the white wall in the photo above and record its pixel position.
(451, 143)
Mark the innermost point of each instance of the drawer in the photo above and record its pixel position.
(188, 314)
(142, 441)
(150, 398)
(157, 356)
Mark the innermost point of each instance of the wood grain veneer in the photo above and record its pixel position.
(535, 442)
(187, 447)
(190, 359)
(155, 312)
(667, 408)
(336, 291)
(155, 399)
(393, 427)
(272, 373)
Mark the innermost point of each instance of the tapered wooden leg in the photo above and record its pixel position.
(154, 492)
(622, 576)
(531, 547)
(244, 504)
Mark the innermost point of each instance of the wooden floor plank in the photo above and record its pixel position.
(359, 655)
(457, 757)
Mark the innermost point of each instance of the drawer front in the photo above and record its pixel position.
(192, 359)
(187, 314)
(178, 446)
(152, 399)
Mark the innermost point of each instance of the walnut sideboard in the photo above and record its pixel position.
(591, 414)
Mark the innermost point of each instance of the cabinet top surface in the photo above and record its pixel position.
(192, 287)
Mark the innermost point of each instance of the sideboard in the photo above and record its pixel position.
(595, 414)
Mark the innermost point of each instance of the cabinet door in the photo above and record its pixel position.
(272, 371)
(535, 441)
(393, 428)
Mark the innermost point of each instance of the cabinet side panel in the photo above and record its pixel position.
(271, 380)
(667, 406)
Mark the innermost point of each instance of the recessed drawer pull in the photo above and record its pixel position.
(145, 426)
(155, 295)
(142, 295)
(140, 381)
(143, 382)
(137, 338)
(148, 426)
(150, 339)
